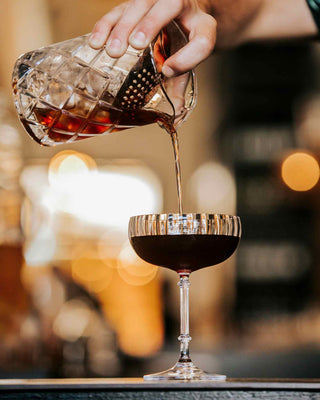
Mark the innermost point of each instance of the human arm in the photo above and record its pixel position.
(258, 20)
(207, 23)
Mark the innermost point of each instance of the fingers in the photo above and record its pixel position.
(158, 16)
(137, 22)
(202, 36)
(118, 41)
(104, 26)
(116, 26)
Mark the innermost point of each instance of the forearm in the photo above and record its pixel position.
(240, 21)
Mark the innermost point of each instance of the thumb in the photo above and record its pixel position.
(202, 28)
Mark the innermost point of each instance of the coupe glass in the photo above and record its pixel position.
(69, 91)
(184, 243)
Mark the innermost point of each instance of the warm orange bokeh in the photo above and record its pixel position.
(300, 171)
(129, 292)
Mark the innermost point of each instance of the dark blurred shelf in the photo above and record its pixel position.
(136, 388)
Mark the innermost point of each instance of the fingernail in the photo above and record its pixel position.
(167, 71)
(138, 39)
(96, 40)
(114, 46)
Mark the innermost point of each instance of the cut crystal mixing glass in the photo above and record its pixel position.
(184, 243)
(69, 91)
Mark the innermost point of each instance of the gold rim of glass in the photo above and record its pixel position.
(185, 224)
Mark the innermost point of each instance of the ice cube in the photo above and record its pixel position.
(116, 80)
(103, 63)
(35, 57)
(26, 103)
(36, 81)
(92, 83)
(51, 62)
(86, 53)
(79, 105)
(126, 62)
(57, 93)
(70, 72)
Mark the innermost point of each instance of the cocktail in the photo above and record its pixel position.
(184, 243)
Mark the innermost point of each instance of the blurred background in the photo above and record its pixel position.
(75, 301)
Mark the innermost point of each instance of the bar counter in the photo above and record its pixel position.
(137, 389)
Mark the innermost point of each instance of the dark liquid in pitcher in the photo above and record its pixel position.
(62, 125)
(184, 253)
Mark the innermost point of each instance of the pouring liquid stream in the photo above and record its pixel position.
(166, 123)
(175, 145)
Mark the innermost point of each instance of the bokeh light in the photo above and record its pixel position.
(132, 269)
(86, 208)
(72, 321)
(41, 249)
(105, 197)
(69, 165)
(93, 273)
(300, 171)
(214, 189)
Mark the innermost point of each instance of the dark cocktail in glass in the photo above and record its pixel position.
(184, 243)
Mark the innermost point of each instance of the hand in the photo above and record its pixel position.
(137, 22)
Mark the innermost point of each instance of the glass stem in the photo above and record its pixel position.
(184, 337)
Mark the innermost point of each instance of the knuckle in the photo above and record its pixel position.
(207, 40)
(210, 22)
(205, 43)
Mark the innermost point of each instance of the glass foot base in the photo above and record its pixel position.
(184, 372)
